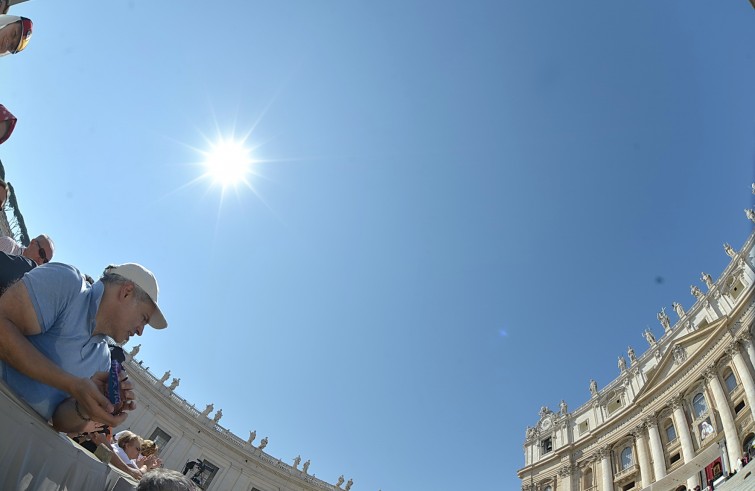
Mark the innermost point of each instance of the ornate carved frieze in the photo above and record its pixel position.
(733, 349)
(675, 402)
(680, 354)
(709, 373)
(744, 337)
(638, 432)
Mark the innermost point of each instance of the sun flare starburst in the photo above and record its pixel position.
(228, 162)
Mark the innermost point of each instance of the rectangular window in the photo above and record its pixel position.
(740, 405)
(736, 289)
(546, 446)
(583, 427)
(674, 458)
(670, 433)
(613, 405)
(160, 437)
(204, 478)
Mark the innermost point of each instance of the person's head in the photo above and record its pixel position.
(15, 33)
(40, 249)
(129, 302)
(4, 193)
(149, 448)
(165, 480)
(7, 123)
(131, 444)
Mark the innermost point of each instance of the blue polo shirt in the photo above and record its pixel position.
(66, 306)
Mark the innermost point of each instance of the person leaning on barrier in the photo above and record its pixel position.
(12, 269)
(54, 333)
(165, 480)
(7, 124)
(15, 33)
(40, 248)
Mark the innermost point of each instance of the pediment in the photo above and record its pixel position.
(678, 355)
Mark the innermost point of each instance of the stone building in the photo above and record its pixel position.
(677, 415)
(185, 433)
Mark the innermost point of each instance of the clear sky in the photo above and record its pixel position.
(462, 211)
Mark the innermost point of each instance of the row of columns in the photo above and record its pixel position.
(721, 401)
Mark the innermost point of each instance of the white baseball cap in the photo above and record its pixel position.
(144, 279)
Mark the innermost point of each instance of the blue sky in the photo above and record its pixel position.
(459, 214)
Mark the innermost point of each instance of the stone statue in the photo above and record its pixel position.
(297, 460)
(649, 337)
(252, 436)
(174, 383)
(544, 411)
(563, 409)
(707, 279)
(729, 251)
(263, 443)
(750, 214)
(208, 409)
(340, 481)
(664, 320)
(593, 388)
(135, 350)
(529, 432)
(305, 467)
(165, 377)
(696, 292)
(218, 415)
(622, 364)
(678, 309)
(632, 356)
(349, 483)
(753, 188)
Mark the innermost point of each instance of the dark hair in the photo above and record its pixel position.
(165, 480)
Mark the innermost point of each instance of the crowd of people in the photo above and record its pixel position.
(58, 326)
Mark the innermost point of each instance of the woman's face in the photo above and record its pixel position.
(132, 449)
(10, 37)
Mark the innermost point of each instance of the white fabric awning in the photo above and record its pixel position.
(33, 456)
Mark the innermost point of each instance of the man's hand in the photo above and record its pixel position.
(97, 405)
(88, 402)
(91, 402)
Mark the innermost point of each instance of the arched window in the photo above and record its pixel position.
(587, 480)
(731, 381)
(626, 458)
(699, 406)
(670, 433)
(548, 488)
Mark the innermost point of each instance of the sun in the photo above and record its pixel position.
(228, 162)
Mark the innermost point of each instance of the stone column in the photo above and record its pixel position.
(656, 449)
(682, 431)
(642, 455)
(744, 374)
(605, 469)
(747, 342)
(727, 420)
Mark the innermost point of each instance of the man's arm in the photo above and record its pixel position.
(18, 319)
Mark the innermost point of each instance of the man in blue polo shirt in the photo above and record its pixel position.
(54, 333)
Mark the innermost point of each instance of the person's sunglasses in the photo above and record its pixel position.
(42, 252)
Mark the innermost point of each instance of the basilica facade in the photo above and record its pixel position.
(677, 416)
